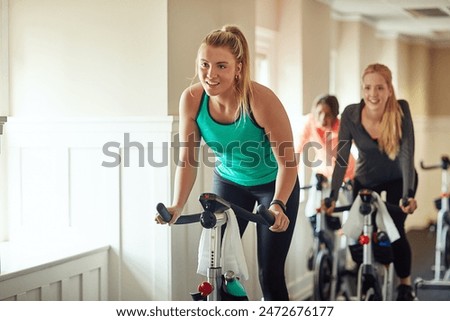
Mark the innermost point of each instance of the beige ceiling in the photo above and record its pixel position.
(422, 19)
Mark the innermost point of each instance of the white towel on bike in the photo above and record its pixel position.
(355, 221)
(232, 258)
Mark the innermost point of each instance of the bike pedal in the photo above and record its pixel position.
(196, 296)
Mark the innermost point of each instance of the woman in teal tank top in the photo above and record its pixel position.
(247, 127)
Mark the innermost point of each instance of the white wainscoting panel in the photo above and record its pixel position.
(63, 187)
(59, 189)
(81, 277)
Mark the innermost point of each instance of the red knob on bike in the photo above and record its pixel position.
(363, 239)
(205, 288)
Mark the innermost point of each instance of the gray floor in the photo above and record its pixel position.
(423, 244)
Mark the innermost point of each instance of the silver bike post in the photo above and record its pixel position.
(367, 248)
(214, 272)
(367, 251)
(440, 242)
(367, 243)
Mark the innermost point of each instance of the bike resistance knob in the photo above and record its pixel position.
(205, 288)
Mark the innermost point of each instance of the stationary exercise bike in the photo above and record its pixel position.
(328, 256)
(219, 286)
(373, 252)
(441, 280)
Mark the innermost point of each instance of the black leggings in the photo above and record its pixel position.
(401, 247)
(272, 248)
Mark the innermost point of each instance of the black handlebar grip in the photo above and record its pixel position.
(162, 210)
(266, 215)
(405, 202)
(208, 219)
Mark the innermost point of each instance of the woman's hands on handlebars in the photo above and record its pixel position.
(408, 206)
(328, 206)
(174, 211)
(281, 220)
(273, 217)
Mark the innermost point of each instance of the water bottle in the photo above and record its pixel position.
(233, 285)
(383, 239)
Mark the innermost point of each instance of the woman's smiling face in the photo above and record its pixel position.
(217, 69)
(376, 91)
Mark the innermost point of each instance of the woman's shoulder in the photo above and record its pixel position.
(262, 98)
(403, 104)
(352, 111)
(261, 92)
(193, 92)
(191, 97)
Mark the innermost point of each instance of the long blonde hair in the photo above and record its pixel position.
(231, 37)
(391, 121)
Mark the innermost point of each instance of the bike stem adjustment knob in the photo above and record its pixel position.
(366, 201)
(208, 220)
(205, 288)
(363, 239)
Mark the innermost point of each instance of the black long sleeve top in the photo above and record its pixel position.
(373, 166)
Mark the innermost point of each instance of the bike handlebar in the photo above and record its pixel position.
(262, 215)
(342, 208)
(366, 196)
(389, 206)
(183, 219)
(444, 164)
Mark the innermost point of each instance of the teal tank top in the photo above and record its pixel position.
(243, 152)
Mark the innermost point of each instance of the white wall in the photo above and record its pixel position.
(88, 58)
(78, 72)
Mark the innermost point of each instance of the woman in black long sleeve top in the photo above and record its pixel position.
(381, 128)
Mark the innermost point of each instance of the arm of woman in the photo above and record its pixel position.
(271, 115)
(406, 158)
(342, 155)
(189, 143)
(342, 159)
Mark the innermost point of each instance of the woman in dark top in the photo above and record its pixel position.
(381, 128)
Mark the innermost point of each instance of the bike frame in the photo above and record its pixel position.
(326, 247)
(369, 268)
(442, 229)
(214, 217)
(441, 225)
(214, 271)
(323, 247)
